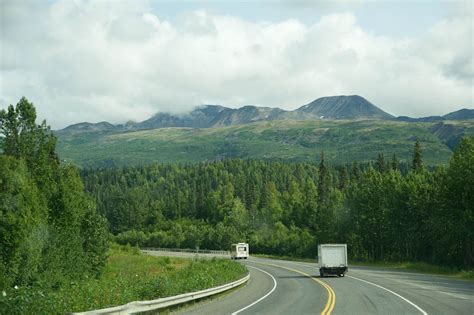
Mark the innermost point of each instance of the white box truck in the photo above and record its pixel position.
(239, 250)
(332, 259)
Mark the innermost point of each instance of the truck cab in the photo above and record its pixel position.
(239, 251)
(332, 259)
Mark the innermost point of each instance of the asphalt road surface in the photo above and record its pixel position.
(286, 287)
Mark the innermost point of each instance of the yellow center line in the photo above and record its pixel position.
(331, 295)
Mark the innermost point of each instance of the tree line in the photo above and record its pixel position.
(50, 231)
(382, 210)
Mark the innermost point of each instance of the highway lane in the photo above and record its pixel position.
(362, 291)
(352, 296)
(293, 293)
(434, 294)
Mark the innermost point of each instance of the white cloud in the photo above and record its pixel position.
(97, 60)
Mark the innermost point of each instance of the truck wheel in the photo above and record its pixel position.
(341, 275)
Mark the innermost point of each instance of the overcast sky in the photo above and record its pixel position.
(126, 60)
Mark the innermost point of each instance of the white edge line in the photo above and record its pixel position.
(263, 297)
(406, 300)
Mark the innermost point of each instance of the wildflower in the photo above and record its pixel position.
(4, 293)
(16, 287)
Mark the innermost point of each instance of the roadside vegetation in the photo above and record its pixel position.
(420, 267)
(50, 232)
(128, 276)
(383, 213)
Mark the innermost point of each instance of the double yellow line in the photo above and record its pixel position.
(331, 295)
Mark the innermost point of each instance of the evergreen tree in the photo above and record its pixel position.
(454, 219)
(417, 163)
(395, 164)
(294, 204)
(323, 180)
(380, 164)
(355, 171)
(343, 177)
(271, 207)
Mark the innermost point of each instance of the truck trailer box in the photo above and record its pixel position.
(332, 259)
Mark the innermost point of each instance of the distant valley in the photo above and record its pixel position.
(346, 128)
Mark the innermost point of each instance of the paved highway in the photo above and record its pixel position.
(285, 287)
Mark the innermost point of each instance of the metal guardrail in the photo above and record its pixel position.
(187, 250)
(145, 306)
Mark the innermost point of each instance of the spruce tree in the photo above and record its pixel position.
(323, 180)
(380, 164)
(395, 164)
(417, 164)
(355, 171)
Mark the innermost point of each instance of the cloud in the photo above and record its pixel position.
(98, 60)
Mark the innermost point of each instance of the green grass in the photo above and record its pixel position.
(342, 142)
(421, 268)
(129, 276)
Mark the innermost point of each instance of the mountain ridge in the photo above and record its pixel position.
(341, 107)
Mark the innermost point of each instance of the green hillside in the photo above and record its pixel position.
(342, 141)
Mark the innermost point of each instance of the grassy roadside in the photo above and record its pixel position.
(128, 276)
(421, 268)
(401, 266)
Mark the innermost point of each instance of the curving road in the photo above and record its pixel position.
(286, 287)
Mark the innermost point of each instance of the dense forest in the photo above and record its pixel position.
(50, 231)
(382, 212)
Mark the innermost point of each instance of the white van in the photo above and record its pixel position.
(239, 250)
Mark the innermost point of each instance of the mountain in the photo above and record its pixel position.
(421, 119)
(346, 128)
(90, 127)
(209, 116)
(451, 132)
(462, 114)
(343, 141)
(245, 115)
(344, 107)
(352, 107)
(200, 117)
